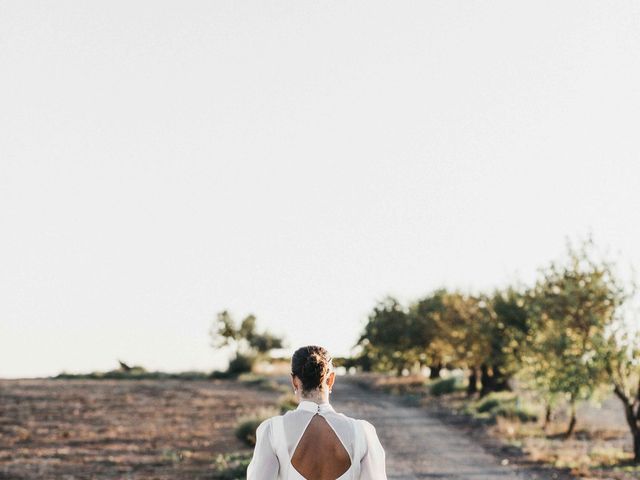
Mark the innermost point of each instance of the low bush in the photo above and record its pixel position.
(231, 466)
(488, 404)
(241, 364)
(501, 404)
(287, 402)
(514, 412)
(445, 386)
(252, 379)
(248, 424)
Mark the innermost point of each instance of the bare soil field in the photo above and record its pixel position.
(124, 429)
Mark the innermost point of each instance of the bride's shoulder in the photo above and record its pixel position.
(368, 430)
(354, 419)
(366, 425)
(266, 424)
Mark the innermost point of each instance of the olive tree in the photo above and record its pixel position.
(571, 307)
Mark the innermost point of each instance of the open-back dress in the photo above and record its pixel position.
(278, 439)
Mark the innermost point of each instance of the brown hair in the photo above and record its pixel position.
(311, 364)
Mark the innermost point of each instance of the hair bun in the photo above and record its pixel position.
(311, 365)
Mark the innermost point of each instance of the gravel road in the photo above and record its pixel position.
(418, 445)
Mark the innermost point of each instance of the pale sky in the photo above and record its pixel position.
(299, 160)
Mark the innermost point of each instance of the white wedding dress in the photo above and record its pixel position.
(278, 437)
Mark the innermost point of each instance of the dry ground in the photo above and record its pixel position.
(124, 429)
(422, 443)
(173, 429)
(600, 449)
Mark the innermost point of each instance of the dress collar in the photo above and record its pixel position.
(309, 406)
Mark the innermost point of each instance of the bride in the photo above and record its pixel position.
(314, 442)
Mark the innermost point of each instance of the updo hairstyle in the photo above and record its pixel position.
(312, 365)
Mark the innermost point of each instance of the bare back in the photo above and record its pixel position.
(320, 455)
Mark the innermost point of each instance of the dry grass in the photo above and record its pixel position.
(588, 454)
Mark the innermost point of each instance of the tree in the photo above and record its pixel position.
(507, 328)
(621, 355)
(428, 315)
(388, 339)
(570, 308)
(248, 343)
(463, 320)
(481, 333)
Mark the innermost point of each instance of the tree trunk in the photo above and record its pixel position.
(365, 363)
(547, 414)
(434, 370)
(486, 380)
(473, 382)
(500, 380)
(572, 420)
(633, 420)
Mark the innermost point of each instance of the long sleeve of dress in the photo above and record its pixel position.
(372, 465)
(264, 463)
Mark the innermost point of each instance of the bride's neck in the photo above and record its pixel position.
(317, 396)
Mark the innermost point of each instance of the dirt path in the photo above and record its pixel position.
(418, 445)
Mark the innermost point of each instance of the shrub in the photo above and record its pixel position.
(501, 404)
(444, 386)
(487, 405)
(189, 375)
(288, 402)
(231, 466)
(252, 379)
(220, 375)
(240, 364)
(514, 412)
(246, 430)
(248, 424)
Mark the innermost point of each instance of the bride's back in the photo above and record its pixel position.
(314, 442)
(319, 442)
